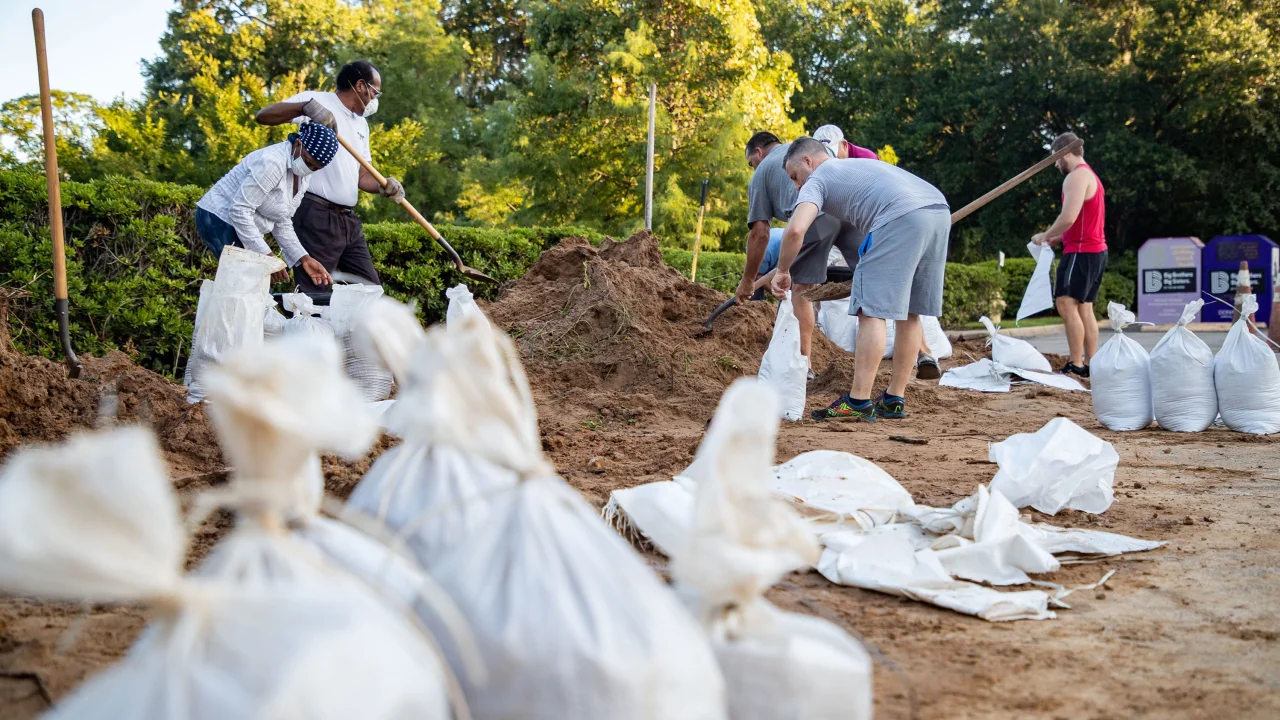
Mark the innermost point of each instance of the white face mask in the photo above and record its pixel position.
(300, 167)
(371, 108)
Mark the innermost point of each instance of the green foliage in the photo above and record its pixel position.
(969, 292)
(720, 270)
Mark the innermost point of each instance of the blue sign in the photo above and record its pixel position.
(1220, 273)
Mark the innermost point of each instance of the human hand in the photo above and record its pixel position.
(280, 276)
(746, 288)
(1039, 239)
(781, 283)
(315, 271)
(393, 190)
(320, 114)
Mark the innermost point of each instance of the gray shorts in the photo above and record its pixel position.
(810, 266)
(901, 272)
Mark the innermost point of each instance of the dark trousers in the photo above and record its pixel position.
(215, 232)
(332, 236)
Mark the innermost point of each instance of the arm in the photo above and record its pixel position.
(279, 113)
(801, 218)
(367, 183)
(1074, 188)
(757, 242)
(295, 255)
(248, 198)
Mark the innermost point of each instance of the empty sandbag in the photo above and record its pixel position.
(782, 366)
(1061, 465)
(1014, 352)
(1120, 377)
(1247, 378)
(1183, 396)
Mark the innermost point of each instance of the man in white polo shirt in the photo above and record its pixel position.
(324, 222)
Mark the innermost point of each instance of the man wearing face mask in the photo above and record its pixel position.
(261, 194)
(325, 222)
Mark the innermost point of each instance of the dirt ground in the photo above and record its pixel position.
(625, 383)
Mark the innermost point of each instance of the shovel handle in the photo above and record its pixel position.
(404, 202)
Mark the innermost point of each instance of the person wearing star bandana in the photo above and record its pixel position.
(325, 222)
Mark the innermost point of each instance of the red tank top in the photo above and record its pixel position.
(1085, 234)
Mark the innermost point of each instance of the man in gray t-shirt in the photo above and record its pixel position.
(900, 272)
(771, 194)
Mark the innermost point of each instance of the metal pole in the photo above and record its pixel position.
(60, 301)
(648, 172)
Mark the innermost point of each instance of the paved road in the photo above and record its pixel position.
(1057, 342)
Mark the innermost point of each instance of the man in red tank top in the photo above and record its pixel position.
(1084, 253)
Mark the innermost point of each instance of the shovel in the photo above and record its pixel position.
(417, 216)
(60, 297)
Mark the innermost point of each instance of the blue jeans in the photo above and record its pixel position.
(215, 232)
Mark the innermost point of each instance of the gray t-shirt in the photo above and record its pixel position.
(867, 193)
(771, 193)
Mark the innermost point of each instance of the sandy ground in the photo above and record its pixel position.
(622, 376)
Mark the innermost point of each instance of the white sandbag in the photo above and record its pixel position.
(838, 325)
(783, 367)
(188, 373)
(742, 540)
(996, 551)
(654, 515)
(988, 376)
(1247, 378)
(1014, 352)
(1182, 392)
(272, 322)
(305, 317)
(387, 331)
(461, 304)
(233, 317)
(1120, 377)
(348, 304)
(215, 650)
(842, 329)
(1038, 296)
(936, 338)
(592, 631)
(827, 482)
(1061, 465)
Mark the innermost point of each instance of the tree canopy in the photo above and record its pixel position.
(510, 112)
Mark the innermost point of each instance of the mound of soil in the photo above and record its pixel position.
(596, 327)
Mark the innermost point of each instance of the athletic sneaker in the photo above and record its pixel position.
(1073, 369)
(845, 409)
(891, 407)
(927, 367)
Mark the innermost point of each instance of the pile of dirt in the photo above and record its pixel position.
(615, 329)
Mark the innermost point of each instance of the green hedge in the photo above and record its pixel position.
(1118, 282)
(969, 292)
(720, 270)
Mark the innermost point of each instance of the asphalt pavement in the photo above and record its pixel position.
(1057, 342)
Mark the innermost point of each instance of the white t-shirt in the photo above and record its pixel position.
(339, 181)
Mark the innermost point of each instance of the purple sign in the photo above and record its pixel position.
(1221, 265)
(1168, 278)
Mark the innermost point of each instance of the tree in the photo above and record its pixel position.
(570, 142)
(75, 122)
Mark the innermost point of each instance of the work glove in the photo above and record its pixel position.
(320, 114)
(393, 190)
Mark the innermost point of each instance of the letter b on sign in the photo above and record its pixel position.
(1219, 282)
(1151, 281)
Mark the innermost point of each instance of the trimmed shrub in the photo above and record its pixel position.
(720, 270)
(969, 292)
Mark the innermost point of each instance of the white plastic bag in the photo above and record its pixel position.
(234, 311)
(194, 395)
(1038, 296)
(1061, 465)
(461, 304)
(305, 319)
(783, 367)
(743, 539)
(1014, 352)
(1182, 392)
(838, 325)
(1120, 377)
(1247, 378)
(215, 650)
(346, 307)
(272, 322)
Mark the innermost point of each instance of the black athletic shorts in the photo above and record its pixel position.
(1080, 276)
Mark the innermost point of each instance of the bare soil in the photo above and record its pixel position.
(625, 382)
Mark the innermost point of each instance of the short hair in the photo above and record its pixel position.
(805, 146)
(355, 71)
(762, 139)
(1064, 140)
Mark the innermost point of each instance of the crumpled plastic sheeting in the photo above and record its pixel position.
(1061, 465)
(989, 376)
(917, 553)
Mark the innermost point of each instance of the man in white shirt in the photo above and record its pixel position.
(325, 223)
(261, 194)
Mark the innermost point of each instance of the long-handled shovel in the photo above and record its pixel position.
(836, 291)
(60, 299)
(417, 216)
